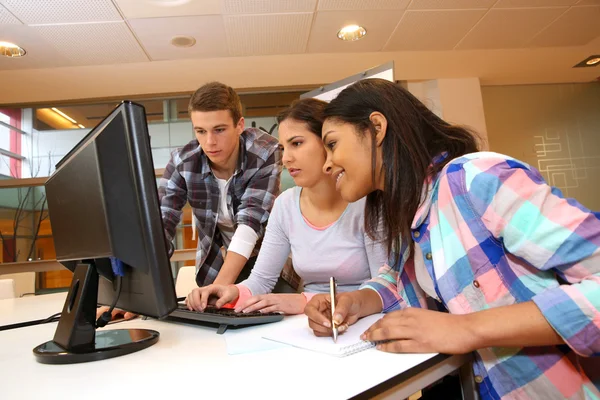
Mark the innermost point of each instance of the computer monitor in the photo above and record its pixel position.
(107, 227)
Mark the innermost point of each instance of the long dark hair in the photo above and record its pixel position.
(309, 111)
(414, 137)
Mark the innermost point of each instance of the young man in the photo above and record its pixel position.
(230, 176)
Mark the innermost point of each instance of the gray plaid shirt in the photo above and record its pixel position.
(250, 197)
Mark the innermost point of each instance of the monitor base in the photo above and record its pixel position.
(108, 344)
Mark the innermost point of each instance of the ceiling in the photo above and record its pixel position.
(118, 39)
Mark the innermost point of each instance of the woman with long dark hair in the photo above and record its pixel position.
(515, 265)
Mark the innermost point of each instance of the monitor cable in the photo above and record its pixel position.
(107, 315)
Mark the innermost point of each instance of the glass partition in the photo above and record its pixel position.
(33, 141)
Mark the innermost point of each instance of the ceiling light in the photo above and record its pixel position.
(183, 41)
(351, 33)
(81, 126)
(11, 50)
(591, 61)
(65, 116)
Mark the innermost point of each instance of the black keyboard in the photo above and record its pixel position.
(224, 317)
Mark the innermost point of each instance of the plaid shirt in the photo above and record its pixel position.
(254, 186)
(493, 233)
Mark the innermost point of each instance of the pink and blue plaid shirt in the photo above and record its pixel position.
(493, 233)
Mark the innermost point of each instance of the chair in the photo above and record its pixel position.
(7, 289)
(186, 281)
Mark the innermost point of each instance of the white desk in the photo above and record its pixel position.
(192, 361)
(30, 308)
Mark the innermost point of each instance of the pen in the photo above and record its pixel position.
(332, 290)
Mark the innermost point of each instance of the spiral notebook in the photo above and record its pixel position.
(295, 332)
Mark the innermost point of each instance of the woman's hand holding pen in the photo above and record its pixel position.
(219, 295)
(348, 309)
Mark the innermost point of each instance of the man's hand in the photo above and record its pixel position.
(218, 295)
(116, 313)
(286, 303)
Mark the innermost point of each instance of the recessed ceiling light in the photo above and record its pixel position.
(183, 41)
(591, 61)
(350, 33)
(11, 50)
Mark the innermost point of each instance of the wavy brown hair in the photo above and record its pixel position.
(309, 111)
(414, 137)
(216, 96)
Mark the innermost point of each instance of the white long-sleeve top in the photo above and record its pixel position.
(342, 250)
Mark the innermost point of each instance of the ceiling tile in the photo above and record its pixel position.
(62, 11)
(158, 8)
(379, 25)
(238, 7)
(6, 18)
(254, 35)
(533, 3)
(433, 30)
(155, 35)
(93, 44)
(509, 28)
(39, 53)
(577, 27)
(450, 4)
(363, 4)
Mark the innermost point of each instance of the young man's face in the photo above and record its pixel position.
(217, 135)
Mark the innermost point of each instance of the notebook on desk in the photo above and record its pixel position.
(295, 332)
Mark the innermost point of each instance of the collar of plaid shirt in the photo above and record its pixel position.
(206, 170)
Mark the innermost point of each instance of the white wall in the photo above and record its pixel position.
(429, 94)
(457, 101)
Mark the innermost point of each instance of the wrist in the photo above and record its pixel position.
(471, 333)
(368, 302)
(304, 298)
(239, 292)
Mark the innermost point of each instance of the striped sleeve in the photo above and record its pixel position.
(172, 193)
(397, 285)
(537, 224)
(385, 286)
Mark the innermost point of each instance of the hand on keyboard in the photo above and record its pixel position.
(225, 312)
(287, 303)
(217, 295)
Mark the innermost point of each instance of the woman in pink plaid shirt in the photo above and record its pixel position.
(515, 264)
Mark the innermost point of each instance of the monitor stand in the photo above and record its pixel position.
(76, 339)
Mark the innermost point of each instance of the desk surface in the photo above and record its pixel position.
(30, 308)
(192, 360)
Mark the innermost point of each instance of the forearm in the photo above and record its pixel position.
(518, 325)
(369, 302)
(233, 265)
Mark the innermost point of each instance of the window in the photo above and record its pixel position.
(10, 143)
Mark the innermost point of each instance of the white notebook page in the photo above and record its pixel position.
(295, 332)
